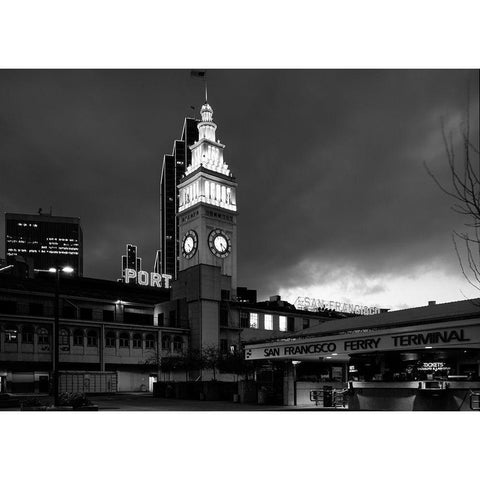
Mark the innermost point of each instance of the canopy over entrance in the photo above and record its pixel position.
(443, 335)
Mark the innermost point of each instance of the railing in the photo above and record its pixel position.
(329, 397)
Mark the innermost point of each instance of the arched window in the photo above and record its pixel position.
(11, 333)
(150, 341)
(92, 338)
(124, 340)
(78, 337)
(177, 343)
(43, 337)
(64, 337)
(137, 340)
(27, 334)
(110, 339)
(166, 342)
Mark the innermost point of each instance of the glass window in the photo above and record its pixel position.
(253, 320)
(43, 337)
(27, 334)
(223, 345)
(137, 340)
(223, 316)
(268, 322)
(177, 343)
(291, 324)
(306, 323)
(124, 340)
(166, 342)
(78, 338)
(64, 337)
(92, 338)
(282, 323)
(11, 334)
(244, 320)
(150, 341)
(108, 315)
(110, 339)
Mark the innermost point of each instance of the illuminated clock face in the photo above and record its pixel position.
(189, 244)
(219, 243)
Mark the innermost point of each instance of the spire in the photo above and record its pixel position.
(207, 113)
(207, 127)
(207, 152)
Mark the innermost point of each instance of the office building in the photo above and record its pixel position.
(173, 169)
(131, 260)
(46, 240)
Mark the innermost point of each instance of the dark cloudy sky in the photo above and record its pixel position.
(334, 199)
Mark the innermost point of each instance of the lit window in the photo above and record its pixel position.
(11, 334)
(253, 320)
(282, 322)
(268, 322)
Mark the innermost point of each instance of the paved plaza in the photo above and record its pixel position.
(146, 402)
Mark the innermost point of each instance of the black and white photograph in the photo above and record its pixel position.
(240, 239)
(257, 251)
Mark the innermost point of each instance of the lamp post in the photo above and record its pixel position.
(295, 363)
(56, 355)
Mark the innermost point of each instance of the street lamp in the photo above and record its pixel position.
(295, 363)
(56, 357)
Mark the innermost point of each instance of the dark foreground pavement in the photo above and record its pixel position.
(145, 402)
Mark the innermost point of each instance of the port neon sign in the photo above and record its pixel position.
(160, 280)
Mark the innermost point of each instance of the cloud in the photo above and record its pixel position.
(330, 165)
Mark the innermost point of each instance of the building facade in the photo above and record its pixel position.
(425, 358)
(173, 169)
(109, 339)
(48, 241)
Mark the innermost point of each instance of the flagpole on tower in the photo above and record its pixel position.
(206, 90)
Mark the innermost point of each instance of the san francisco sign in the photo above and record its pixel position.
(315, 305)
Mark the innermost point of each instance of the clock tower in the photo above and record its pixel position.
(207, 220)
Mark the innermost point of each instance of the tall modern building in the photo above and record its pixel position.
(173, 170)
(45, 239)
(130, 260)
